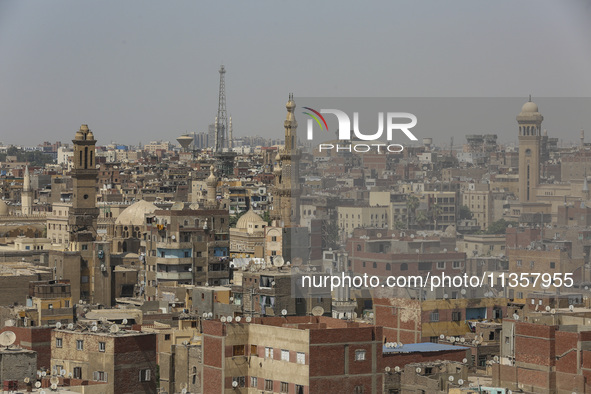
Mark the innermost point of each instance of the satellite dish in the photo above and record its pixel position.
(58, 325)
(496, 358)
(54, 386)
(204, 315)
(552, 311)
(210, 315)
(442, 336)
(223, 319)
(461, 382)
(70, 326)
(238, 318)
(7, 338)
(184, 391)
(278, 261)
(465, 360)
(26, 380)
(397, 369)
(124, 321)
(94, 323)
(54, 380)
(248, 319)
(44, 374)
(229, 319)
(388, 369)
(462, 340)
(317, 311)
(234, 384)
(400, 344)
(445, 296)
(114, 329)
(515, 316)
(70, 374)
(571, 307)
(547, 309)
(418, 370)
(94, 328)
(284, 312)
(463, 291)
(37, 384)
(451, 378)
(63, 372)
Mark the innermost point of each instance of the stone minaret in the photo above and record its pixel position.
(286, 204)
(27, 194)
(530, 122)
(211, 183)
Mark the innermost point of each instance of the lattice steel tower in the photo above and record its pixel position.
(221, 121)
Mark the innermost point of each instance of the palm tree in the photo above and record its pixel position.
(421, 218)
(435, 213)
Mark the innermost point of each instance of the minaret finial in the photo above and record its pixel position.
(529, 98)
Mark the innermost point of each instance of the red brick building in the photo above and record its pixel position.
(37, 339)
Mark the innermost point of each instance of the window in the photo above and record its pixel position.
(497, 313)
(301, 358)
(100, 376)
(254, 350)
(167, 336)
(434, 339)
(299, 389)
(457, 265)
(552, 264)
(506, 340)
(284, 387)
(456, 316)
(58, 342)
(441, 265)
(519, 263)
(268, 385)
(79, 344)
(435, 316)
(102, 346)
(359, 355)
(284, 355)
(240, 380)
(268, 352)
(403, 267)
(388, 267)
(358, 390)
(145, 375)
(77, 373)
(238, 350)
(254, 382)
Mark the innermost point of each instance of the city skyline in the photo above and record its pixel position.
(150, 72)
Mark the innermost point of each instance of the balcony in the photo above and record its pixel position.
(174, 261)
(174, 275)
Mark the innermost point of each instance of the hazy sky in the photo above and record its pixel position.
(145, 70)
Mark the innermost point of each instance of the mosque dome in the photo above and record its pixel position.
(135, 213)
(3, 208)
(530, 106)
(248, 220)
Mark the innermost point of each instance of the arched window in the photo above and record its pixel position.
(388, 267)
(358, 247)
(403, 267)
(375, 265)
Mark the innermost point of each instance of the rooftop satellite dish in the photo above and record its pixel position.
(462, 340)
(63, 372)
(54, 380)
(94, 328)
(70, 375)
(418, 370)
(223, 319)
(463, 291)
(94, 323)
(496, 358)
(37, 384)
(284, 312)
(317, 311)
(234, 384)
(210, 315)
(387, 369)
(461, 382)
(204, 315)
(54, 386)
(7, 338)
(70, 326)
(185, 343)
(248, 319)
(229, 319)
(445, 296)
(43, 374)
(114, 329)
(184, 391)
(465, 360)
(515, 316)
(238, 318)
(442, 336)
(547, 309)
(451, 378)
(397, 369)
(58, 325)
(278, 261)
(552, 311)
(124, 321)
(571, 307)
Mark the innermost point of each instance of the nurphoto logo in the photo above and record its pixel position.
(393, 125)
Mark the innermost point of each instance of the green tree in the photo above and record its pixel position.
(499, 227)
(412, 203)
(436, 211)
(234, 219)
(421, 218)
(267, 217)
(465, 212)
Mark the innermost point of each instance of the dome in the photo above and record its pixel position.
(134, 214)
(249, 219)
(79, 135)
(3, 208)
(450, 231)
(211, 180)
(84, 128)
(530, 106)
(90, 136)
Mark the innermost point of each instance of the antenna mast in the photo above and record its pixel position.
(221, 124)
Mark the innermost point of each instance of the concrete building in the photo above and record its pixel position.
(125, 360)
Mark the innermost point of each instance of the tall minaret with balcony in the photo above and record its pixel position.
(530, 126)
(27, 194)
